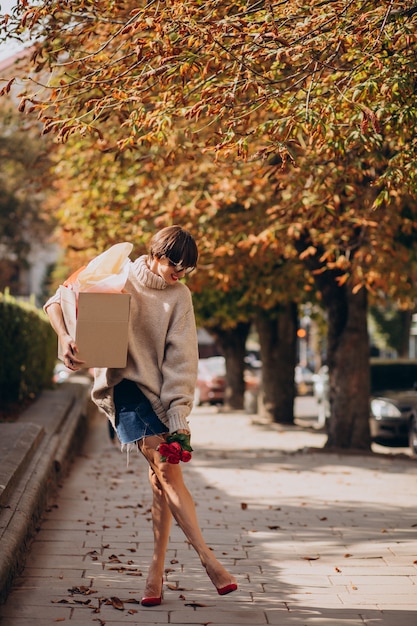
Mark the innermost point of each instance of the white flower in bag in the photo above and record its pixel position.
(107, 272)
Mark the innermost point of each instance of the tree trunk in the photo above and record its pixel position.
(348, 361)
(406, 318)
(233, 345)
(277, 330)
(347, 354)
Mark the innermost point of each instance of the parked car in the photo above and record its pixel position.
(393, 400)
(211, 382)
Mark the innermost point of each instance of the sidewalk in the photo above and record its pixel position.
(313, 538)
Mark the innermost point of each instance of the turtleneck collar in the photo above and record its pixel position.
(146, 277)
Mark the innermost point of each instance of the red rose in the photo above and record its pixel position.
(170, 452)
(177, 448)
(164, 449)
(174, 459)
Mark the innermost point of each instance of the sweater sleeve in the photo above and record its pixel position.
(56, 298)
(179, 373)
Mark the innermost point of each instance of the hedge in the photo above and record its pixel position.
(28, 348)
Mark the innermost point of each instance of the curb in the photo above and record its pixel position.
(48, 434)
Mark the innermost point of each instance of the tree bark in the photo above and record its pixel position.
(347, 354)
(233, 345)
(406, 318)
(348, 361)
(277, 331)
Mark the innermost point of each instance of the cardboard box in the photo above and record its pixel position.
(99, 326)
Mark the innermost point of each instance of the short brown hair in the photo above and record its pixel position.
(175, 243)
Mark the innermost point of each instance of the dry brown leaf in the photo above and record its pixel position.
(114, 559)
(117, 603)
(130, 601)
(82, 589)
(63, 601)
(82, 601)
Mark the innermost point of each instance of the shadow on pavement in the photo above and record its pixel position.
(313, 539)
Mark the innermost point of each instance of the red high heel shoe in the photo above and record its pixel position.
(222, 591)
(149, 601)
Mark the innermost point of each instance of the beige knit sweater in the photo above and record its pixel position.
(162, 348)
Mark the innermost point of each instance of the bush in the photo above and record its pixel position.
(27, 351)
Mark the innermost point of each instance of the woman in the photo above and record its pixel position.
(152, 396)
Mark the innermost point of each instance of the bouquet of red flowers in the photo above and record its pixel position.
(176, 448)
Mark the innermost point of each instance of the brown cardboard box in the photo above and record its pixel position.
(99, 326)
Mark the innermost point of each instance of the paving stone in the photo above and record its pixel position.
(309, 544)
(314, 617)
(216, 615)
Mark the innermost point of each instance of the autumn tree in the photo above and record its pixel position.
(322, 90)
(26, 219)
(110, 199)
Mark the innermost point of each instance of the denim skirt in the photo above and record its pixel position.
(135, 417)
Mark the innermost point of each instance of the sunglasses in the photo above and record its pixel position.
(178, 267)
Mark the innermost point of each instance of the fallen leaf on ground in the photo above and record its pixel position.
(82, 589)
(117, 603)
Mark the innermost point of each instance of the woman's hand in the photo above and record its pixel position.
(176, 447)
(68, 346)
(69, 352)
(183, 437)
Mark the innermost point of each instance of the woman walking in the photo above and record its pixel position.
(150, 399)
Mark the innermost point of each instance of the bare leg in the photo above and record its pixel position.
(161, 523)
(182, 508)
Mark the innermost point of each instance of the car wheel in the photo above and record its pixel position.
(412, 435)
